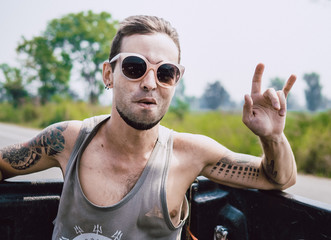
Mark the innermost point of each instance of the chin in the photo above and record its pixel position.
(136, 123)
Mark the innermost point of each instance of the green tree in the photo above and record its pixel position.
(215, 96)
(85, 38)
(313, 93)
(13, 85)
(43, 66)
(180, 104)
(277, 83)
(78, 42)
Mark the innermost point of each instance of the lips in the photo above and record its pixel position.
(147, 103)
(147, 100)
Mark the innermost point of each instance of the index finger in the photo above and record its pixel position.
(289, 84)
(257, 79)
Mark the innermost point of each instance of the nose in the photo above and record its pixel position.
(149, 82)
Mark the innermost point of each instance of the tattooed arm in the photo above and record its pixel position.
(48, 149)
(264, 114)
(201, 155)
(276, 169)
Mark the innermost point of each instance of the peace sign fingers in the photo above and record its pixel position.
(264, 113)
(257, 81)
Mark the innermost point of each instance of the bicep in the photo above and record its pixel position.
(237, 170)
(211, 159)
(39, 153)
(23, 158)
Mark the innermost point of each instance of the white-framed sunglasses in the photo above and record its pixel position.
(135, 67)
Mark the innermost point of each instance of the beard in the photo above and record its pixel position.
(133, 122)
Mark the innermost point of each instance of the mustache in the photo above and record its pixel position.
(140, 96)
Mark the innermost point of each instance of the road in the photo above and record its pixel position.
(307, 186)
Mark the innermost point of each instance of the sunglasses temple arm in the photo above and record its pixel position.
(114, 58)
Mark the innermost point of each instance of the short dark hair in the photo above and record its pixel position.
(142, 24)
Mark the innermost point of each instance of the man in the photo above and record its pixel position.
(125, 175)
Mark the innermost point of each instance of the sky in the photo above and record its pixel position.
(220, 40)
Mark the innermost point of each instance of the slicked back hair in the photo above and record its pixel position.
(142, 24)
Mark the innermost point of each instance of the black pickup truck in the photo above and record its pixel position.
(27, 210)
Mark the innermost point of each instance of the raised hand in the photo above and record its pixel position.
(264, 113)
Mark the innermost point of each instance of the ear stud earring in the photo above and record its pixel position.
(107, 87)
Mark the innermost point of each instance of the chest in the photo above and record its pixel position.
(105, 182)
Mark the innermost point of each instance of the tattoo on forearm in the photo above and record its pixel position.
(270, 171)
(227, 168)
(49, 142)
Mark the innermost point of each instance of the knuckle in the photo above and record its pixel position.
(245, 120)
(270, 92)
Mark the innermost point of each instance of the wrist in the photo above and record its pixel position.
(275, 138)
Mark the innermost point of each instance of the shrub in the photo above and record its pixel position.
(308, 134)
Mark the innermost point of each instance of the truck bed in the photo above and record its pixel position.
(29, 208)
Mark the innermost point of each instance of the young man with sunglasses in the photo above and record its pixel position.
(126, 175)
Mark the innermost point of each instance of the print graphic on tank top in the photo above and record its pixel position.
(96, 234)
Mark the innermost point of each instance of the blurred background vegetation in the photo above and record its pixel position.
(70, 52)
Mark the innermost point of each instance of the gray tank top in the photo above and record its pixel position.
(141, 214)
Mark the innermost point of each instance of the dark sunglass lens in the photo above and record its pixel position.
(133, 67)
(168, 74)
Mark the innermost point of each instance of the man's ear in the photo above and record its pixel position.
(107, 74)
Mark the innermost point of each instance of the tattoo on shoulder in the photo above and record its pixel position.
(238, 168)
(50, 142)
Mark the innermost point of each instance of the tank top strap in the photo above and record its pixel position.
(88, 125)
(164, 135)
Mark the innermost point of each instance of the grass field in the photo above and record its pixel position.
(309, 134)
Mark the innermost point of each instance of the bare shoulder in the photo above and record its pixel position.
(59, 137)
(190, 140)
(67, 129)
(198, 148)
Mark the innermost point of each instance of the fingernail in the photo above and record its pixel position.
(276, 105)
